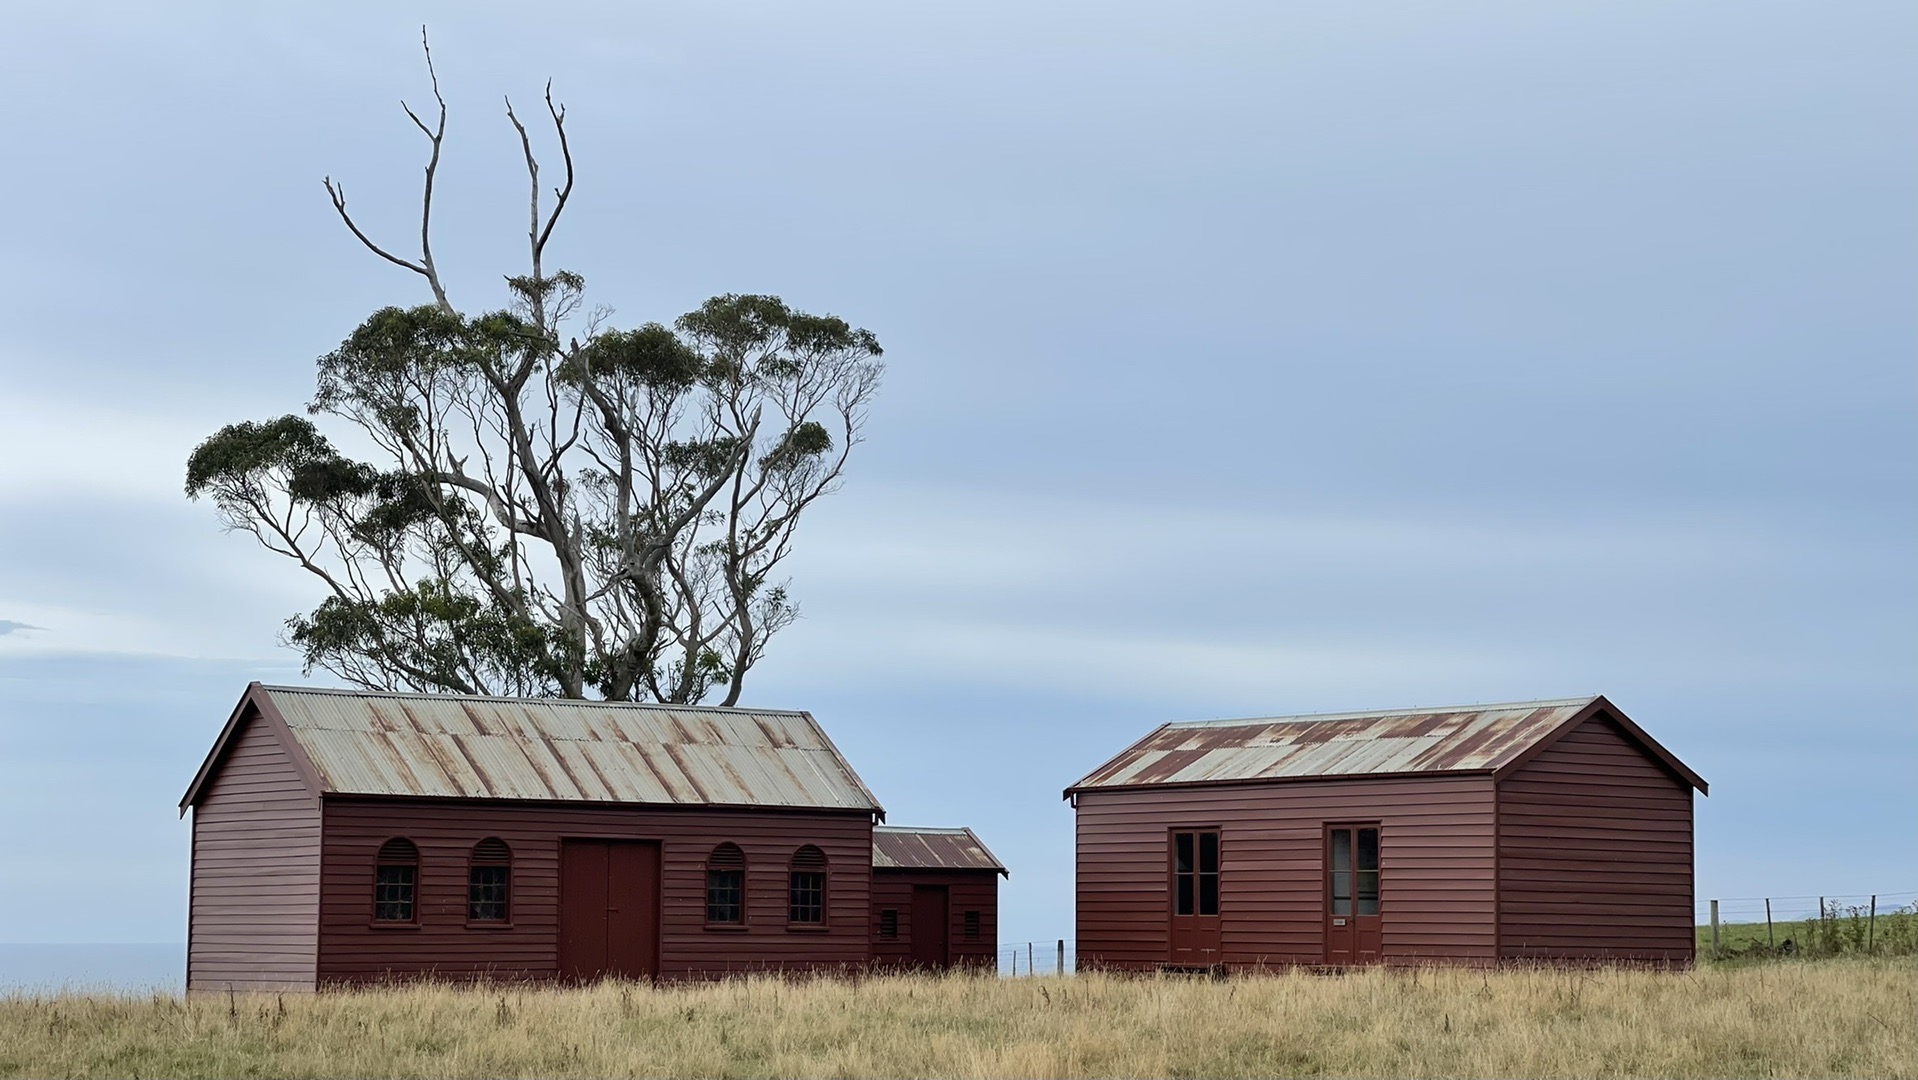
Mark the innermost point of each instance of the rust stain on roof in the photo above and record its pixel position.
(508, 748)
(905, 848)
(1473, 738)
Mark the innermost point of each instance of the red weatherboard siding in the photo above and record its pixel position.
(1595, 853)
(1436, 856)
(351, 949)
(256, 870)
(968, 890)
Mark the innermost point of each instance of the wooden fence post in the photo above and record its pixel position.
(1714, 929)
(1768, 937)
(1871, 927)
(1062, 956)
(1031, 968)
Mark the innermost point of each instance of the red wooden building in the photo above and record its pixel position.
(935, 899)
(1546, 830)
(342, 836)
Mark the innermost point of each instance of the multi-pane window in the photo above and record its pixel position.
(1195, 873)
(1362, 878)
(807, 893)
(889, 922)
(396, 872)
(726, 886)
(488, 881)
(972, 926)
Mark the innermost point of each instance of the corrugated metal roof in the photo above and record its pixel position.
(586, 751)
(906, 848)
(1469, 738)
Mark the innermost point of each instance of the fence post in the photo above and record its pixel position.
(1768, 937)
(1871, 927)
(1062, 956)
(1015, 959)
(1714, 929)
(1031, 968)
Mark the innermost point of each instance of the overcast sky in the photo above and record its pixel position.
(1245, 359)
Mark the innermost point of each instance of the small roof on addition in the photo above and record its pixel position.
(1452, 739)
(353, 742)
(901, 847)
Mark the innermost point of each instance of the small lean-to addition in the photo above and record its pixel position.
(1535, 831)
(935, 899)
(344, 836)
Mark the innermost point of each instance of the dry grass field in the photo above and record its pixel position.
(1844, 1017)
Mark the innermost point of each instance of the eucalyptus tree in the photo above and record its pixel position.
(548, 504)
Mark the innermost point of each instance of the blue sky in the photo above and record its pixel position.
(1245, 359)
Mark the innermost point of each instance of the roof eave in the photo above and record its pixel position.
(1306, 778)
(256, 695)
(1601, 704)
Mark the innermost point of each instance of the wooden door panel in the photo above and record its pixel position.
(1195, 881)
(931, 926)
(632, 935)
(582, 909)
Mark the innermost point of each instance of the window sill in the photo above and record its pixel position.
(387, 924)
(807, 928)
(488, 924)
(726, 927)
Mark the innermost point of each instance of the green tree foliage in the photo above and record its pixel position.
(554, 506)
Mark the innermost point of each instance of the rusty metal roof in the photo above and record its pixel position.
(361, 743)
(1468, 738)
(897, 847)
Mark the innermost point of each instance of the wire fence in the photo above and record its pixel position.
(1850, 922)
(1055, 957)
(1837, 923)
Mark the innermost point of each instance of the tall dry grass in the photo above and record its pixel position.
(1827, 1018)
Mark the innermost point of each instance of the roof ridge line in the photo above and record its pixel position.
(1379, 713)
(336, 691)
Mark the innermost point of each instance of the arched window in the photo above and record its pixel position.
(489, 878)
(726, 886)
(396, 875)
(807, 903)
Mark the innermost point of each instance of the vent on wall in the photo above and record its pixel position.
(972, 926)
(889, 923)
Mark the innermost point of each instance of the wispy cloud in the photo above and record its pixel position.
(8, 626)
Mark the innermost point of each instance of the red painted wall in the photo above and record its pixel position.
(967, 890)
(253, 912)
(1436, 857)
(1595, 853)
(353, 949)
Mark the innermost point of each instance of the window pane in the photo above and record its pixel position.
(1209, 853)
(725, 896)
(486, 893)
(1368, 849)
(808, 897)
(393, 893)
(1182, 852)
(1368, 892)
(1208, 894)
(1341, 891)
(1342, 849)
(1183, 904)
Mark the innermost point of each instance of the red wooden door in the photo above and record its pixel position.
(1353, 930)
(1194, 934)
(608, 909)
(931, 924)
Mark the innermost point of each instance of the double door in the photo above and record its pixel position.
(1352, 906)
(608, 909)
(1194, 873)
